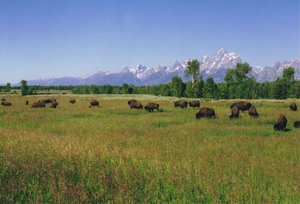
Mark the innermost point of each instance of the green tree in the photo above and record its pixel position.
(177, 86)
(193, 69)
(279, 89)
(24, 88)
(210, 88)
(236, 80)
(7, 87)
(289, 80)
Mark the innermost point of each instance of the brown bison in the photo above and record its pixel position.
(3, 99)
(26, 102)
(235, 113)
(252, 112)
(72, 101)
(194, 104)
(297, 124)
(132, 101)
(50, 100)
(280, 124)
(206, 113)
(38, 104)
(135, 105)
(94, 103)
(6, 103)
(54, 105)
(180, 103)
(241, 105)
(293, 107)
(151, 106)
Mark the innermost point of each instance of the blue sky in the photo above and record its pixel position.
(67, 37)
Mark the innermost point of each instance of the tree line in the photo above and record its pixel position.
(237, 84)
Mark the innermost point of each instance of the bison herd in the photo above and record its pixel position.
(205, 112)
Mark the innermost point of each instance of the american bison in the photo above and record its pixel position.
(180, 103)
(72, 101)
(280, 124)
(26, 102)
(50, 100)
(94, 103)
(132, 101)
(235, 113)
(241, 105)
(297, 124)
(206, 113)
(151, 106)
(252, 112)
(6, 103)
(3, 99)
(135, 105)
(194, 104)
(38, 104)
(293, 107)
(54, 105)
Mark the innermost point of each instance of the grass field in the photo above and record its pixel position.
(113, 154)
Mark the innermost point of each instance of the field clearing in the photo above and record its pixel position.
(113, 154)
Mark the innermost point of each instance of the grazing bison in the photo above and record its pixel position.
(194, 104)
(136, 105)
(3, 99)
(206, 113)
(297, 124)
(293, 107)
(50, 100)
(252, 112)
(38, 104)
(280, 124)
(235, 113)
(180, 103)
(241, 105)
(6, 103)
(132, 101)
(26, 102)
(72, 101)
(94, 103)
(151, 106)
(54, 105)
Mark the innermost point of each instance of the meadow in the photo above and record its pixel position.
(77, 154)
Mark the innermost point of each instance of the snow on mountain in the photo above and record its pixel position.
(215, 67)
(271, 73)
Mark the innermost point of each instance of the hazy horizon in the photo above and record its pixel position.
(41, 39)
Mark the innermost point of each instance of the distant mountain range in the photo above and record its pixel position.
(215, 67)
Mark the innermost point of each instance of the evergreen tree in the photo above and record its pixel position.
(279, 89)
(7, 87)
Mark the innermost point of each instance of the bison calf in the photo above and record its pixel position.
(252, 112)
(293, 107)
(206, 113)
(26, 102)
(72, 101)
(151, 106)
(235, 113)
(280, 124)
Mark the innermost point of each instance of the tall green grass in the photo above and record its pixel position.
(113, 154)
